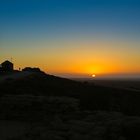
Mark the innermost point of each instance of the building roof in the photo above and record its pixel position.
(6, 62)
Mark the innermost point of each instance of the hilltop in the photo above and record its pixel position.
(37, 83)
(91, 96)
(44, 106)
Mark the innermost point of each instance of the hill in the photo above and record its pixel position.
(43, 106)
(38, 83)
(91, 96)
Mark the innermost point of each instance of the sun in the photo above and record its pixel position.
(93, 75)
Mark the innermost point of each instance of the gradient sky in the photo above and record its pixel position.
(72, 37)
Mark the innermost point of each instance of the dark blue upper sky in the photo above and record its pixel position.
(68, 18)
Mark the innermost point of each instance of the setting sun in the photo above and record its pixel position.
(93, 75)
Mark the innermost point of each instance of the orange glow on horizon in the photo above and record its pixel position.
(80, 67)
(78, 58)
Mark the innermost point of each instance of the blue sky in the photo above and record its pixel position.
(68, 17)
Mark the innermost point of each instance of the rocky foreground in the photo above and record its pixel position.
(60, 118)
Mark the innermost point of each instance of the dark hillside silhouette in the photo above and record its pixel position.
(55, 107)
(91, 97)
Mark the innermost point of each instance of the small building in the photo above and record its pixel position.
(7, 66)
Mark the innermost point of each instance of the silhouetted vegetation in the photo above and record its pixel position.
(29, 69)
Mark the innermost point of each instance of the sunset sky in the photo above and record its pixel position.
(72, 37)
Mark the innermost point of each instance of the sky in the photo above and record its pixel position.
(72, 37)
